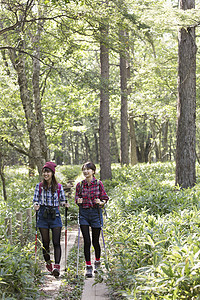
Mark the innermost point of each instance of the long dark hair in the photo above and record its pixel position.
(54, 184)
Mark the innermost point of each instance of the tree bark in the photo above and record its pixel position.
(104, 118)
(87, 148)
(124, 93)
(134, 159)
(76, 148)
(96, 148)
(36, 92)
(115, 157)
(165, 141)
(30, 91)
(35, 147)
(186, 104)
(3, 177)
(141, 139)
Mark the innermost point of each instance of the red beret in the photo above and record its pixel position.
(51, 165)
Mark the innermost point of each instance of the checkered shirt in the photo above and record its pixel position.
(46, 197)
(90, 192)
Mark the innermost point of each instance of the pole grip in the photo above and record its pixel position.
(66, 209)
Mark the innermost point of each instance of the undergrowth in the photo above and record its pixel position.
(152, 234)
(72, 285)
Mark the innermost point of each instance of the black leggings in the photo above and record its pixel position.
(56, 233)
(87, 241)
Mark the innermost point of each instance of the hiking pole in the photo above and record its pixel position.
(66, 209)
(104, 244)
(79, 229)
(102, 234)
(36, 216)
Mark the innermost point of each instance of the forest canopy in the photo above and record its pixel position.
(52, 79)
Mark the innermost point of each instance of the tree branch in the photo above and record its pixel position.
(18, 149)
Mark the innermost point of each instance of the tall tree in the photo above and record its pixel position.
(186, 106)
(2, 176)
(124, 94)
(133, 142)
(104, 118)
(28, 73)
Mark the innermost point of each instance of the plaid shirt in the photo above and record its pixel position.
(90, 192)
(46, 197)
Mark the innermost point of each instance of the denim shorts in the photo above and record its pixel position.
(91, 217)
(48, 222)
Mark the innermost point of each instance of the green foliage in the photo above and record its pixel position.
(72, 287)
(20, 190)
(70, 72)
(152, 235)
(18, 275)
(70, 172)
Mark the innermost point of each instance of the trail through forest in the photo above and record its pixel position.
(51, 285)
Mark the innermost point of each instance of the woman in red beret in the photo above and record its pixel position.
(48, 195)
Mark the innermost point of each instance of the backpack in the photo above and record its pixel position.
(58, 190)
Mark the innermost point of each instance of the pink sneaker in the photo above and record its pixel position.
(56, 270)
(49, 267)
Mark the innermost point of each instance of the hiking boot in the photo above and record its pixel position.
(56, 270)
(88, 271)
(49, 266)
(97, 264)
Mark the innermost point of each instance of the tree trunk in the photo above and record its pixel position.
(104, 118)
(3, 177)
(124, 93)
(134, 159)
(186, 106)
(141, 139)
(36, 93)
(76, 149)
(35, 153)
(96, 148)
(114, 145)
(87, 148)
(165, 141)
(30, 92)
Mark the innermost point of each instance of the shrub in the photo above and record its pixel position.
(18, 275)
(152, 235)
(70, 172)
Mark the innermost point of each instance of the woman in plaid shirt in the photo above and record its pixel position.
(48, 196)
(91, 197)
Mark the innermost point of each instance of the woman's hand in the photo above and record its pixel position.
(100, 202)
(79, 201)
(36, 206)
(65, 204)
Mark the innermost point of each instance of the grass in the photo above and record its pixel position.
(153, 234)
(72, 286)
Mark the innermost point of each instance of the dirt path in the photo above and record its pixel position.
(51, 285)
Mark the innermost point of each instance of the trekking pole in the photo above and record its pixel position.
(102, 234)
(77, 262)
(104, 244)
(36, 216)
(66, 209)
(105, 212)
